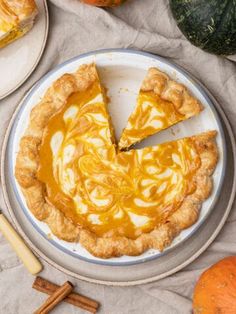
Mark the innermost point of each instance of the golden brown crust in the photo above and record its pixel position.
(162, 85)
(34, 191)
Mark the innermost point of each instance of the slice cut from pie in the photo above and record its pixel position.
(16, 19)
(161, 103)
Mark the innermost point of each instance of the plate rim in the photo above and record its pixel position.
(173, 65)
(22, 81)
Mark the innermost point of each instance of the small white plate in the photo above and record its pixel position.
(122, 72)
(19, 59)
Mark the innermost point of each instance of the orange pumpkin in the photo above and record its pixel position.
(215, 291)
(104, 3)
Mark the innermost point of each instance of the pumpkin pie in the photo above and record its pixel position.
(114, 203)
(161, 103)
(16, 19)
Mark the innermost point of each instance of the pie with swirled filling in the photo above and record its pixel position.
(113, 202)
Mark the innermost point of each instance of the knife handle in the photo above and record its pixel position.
(24, 253)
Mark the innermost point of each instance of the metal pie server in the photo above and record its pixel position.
(24, 253)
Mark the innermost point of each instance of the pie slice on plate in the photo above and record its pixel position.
(113, 203)
(161, 103)
(16, 19)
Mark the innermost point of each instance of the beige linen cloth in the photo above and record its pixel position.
(76, 28)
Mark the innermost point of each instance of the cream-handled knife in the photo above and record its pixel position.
(24, 253)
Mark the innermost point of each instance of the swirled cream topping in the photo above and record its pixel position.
(111, 194)
(151, 115)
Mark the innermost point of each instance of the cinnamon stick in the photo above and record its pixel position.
(55, 298)
(75, 299)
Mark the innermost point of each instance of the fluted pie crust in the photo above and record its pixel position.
(64, 227)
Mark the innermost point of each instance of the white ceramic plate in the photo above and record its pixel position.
(22, 56)
(122, 72)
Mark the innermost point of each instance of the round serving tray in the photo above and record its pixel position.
(166, 264)
(122, 72)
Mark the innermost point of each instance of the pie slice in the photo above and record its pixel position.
(161, 103)
(16, 19)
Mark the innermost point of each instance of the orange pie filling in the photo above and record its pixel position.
(124, 194)
(152, 114)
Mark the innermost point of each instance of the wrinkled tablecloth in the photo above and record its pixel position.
(76, 28)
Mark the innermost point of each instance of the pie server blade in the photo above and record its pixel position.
(24, 253)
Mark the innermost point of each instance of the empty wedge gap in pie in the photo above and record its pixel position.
(80, 182)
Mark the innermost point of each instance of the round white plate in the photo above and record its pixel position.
(22, 56)
(122, 72)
